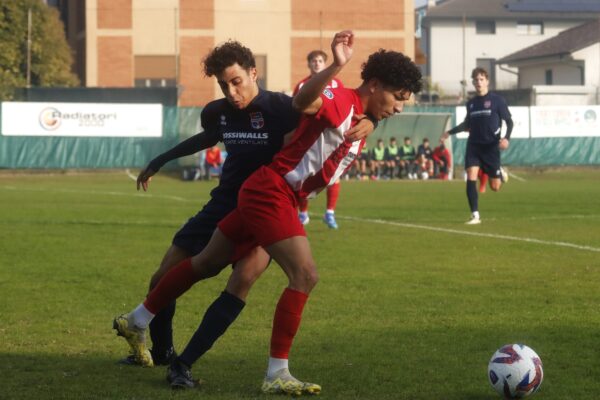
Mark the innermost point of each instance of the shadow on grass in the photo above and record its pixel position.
(47, 376)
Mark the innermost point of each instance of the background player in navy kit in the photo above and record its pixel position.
(485, 113)
(316, 63)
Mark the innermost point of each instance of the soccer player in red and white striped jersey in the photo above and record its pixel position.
(319, 152)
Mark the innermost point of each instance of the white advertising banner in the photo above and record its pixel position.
(565, 121)
(82, 119)
(520, 117)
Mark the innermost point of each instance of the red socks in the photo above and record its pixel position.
(333, 192)
(303, 205)
(286, 322)
(483, 179)
(172, 285)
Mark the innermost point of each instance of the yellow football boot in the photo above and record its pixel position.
(136, 338)
(284, 383)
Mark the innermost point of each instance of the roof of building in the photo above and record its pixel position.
(515, 9)
(565, 42)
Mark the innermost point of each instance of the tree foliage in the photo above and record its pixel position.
(51, 57)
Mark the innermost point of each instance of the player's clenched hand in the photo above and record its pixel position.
(504, 143)
(341, 47)
(361, 130)
(144, 178)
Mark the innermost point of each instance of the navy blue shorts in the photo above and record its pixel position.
(485, 156)
(195, 234)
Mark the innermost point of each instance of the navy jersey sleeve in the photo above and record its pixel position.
(503, 109)
(209, 118)
(463, 126)
(504, 114)
(282, 105)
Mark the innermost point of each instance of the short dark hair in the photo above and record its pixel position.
(316, 53)
(392, 139)
(406, 138)
(227, 54)
(393, 69)
(425, 140)
(479, 71)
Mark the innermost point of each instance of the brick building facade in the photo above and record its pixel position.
(127, 43)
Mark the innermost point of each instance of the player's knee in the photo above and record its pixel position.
(309, 276)
(245, 278)
(495, 186)
(304, 278)
(240, 284)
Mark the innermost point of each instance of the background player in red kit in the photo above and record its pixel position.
(316, 63)
(266, 213)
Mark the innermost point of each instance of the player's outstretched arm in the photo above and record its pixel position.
(194, 144)
(463, 126)
(308, 100)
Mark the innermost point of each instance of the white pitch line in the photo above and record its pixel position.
(130, 175)
(99, 192)
(517, 177)
(478, 234)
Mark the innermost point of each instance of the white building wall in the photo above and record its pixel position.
(591, 55)
(446, 51)
(563, 73)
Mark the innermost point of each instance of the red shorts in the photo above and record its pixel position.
(266, 213)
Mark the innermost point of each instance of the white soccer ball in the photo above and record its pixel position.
(515, 371)
(424, 175)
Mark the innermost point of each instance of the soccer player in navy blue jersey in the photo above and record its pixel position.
(252, 124)
(485, 113)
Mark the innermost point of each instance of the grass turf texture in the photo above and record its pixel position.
(399, 313)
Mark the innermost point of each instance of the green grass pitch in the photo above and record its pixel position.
(411, 303)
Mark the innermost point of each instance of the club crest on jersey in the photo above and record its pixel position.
(487, 103)
(328, 93)
(223, 120)
(256, 120)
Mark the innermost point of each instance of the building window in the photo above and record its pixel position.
(530, 28)
(261, 70)
(485, 27)
(155, 71)
(548, 77)
(154, 82)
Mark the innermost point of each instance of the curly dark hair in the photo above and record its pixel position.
(226, 55)
(394, 70)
